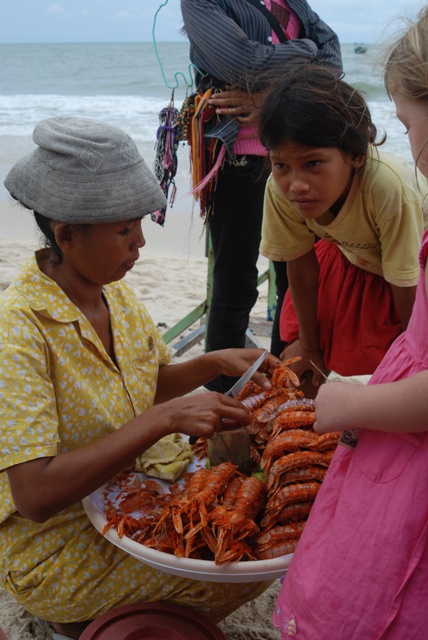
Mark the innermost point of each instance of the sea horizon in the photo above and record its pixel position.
(128, 84)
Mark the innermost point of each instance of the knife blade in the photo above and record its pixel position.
(233, 391)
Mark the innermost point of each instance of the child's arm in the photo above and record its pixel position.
(404, 298)
(400, 406)
(303, 276)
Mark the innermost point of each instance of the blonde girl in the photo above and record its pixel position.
(361, 566)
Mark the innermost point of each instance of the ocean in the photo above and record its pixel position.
(127, 84)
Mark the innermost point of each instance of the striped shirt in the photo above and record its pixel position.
(238, 53)
(237, 47)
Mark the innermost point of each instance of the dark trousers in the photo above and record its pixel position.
(281, 282)
(235, 229)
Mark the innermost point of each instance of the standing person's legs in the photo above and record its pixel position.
(281, 283)
(235, 229)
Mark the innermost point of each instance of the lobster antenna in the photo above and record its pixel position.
(319, 370)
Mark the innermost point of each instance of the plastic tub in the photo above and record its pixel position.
(152, 621)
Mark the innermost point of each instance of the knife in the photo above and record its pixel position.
(233, 391)
(234, 443)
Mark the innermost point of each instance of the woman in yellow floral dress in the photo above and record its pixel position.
(87, 384)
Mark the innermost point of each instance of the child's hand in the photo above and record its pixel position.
(311, 363)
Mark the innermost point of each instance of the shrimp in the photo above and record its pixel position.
(179, 506)
(290, 461)
(278, 534)
(305, 474)
(267, 410)
(215, 482)
(283, 375)
(294, 512)
(238, 523)
(325, 441)
(298, 492)
(279, 549)
(293, 420)
(287, 441)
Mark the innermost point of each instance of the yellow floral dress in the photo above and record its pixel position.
(59, 391)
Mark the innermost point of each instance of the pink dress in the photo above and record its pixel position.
(361, 566)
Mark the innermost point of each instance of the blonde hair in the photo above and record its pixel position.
(405, 62)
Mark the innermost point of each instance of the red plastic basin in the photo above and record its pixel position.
(152, 621)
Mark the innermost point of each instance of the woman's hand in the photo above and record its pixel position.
(202, 414)
(310, 368)
(235, 102)
(177, 379)
(235, 362)
(44, 486)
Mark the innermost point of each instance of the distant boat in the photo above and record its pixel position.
(360, 48)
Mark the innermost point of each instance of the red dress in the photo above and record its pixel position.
(357, 318)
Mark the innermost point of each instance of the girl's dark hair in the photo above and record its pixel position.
(312, 106)
(48, 236)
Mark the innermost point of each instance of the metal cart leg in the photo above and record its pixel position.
(202, 310)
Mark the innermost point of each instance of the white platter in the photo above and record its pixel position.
(244, 571)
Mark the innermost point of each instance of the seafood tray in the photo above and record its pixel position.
(218, 524)
(248, 571)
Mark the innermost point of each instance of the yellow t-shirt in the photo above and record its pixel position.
(379, 227)
(59, 389)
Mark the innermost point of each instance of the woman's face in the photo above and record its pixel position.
(414, 116)
(104, 253)
(315, 180)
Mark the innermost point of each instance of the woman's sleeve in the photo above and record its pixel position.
(28, 415)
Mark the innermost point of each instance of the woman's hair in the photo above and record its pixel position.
(405, 62)
(312, 106)
(48, 236)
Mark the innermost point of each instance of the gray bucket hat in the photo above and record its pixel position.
(84, 172)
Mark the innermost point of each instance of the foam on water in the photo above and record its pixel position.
(122, 83)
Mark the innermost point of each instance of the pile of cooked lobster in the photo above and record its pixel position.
(222, 515)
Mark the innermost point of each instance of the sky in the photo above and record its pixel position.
(134, 20)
